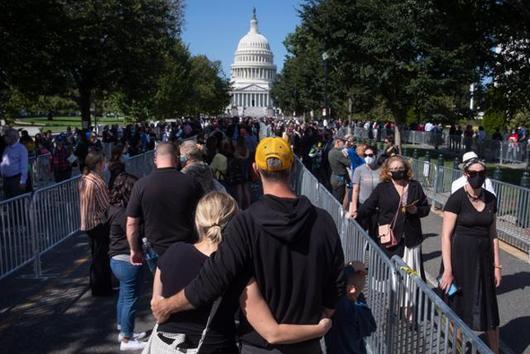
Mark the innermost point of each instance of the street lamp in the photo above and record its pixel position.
(325, 57)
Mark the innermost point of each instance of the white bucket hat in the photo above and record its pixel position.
(469, 157)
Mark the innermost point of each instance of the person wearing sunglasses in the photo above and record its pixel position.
(470, 254)
(461, 182)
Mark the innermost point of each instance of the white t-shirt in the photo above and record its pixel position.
(460, 182)
(428, 126)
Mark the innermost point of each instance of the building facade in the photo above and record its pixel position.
(252, 74)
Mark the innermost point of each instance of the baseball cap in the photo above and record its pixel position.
(274, 148)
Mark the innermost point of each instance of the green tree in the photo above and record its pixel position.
(209, 89)
(82, 48)
(403, 51)
(512, 65)
(494, 120)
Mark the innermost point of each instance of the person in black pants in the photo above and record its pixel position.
(94, 204)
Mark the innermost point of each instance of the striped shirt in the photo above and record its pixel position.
(94, 199)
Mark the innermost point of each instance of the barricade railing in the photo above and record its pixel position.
(41, 174)
(410, 317)
(140, 165)
(33, 224)
(502, 151)
(424, 323)
(16, 243)
(513, 201)
(55, 216)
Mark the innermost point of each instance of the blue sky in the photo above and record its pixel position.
(214, 27)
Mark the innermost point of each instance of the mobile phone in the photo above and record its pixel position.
(412, 204)
(453, 289)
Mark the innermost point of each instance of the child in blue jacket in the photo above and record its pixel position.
(353, 320)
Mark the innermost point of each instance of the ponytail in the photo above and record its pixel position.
(213, 213)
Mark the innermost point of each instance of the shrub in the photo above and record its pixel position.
(494, 120)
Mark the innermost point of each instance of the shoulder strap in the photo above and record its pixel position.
(213, 311)
(401, 197)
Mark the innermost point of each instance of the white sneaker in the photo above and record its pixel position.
(136, 336)
(132, 344)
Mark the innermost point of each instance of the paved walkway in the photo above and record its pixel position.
(58, 314)
(513, 294)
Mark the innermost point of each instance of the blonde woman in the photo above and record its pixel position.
(94, 203)
(399, 202)
(182, 263)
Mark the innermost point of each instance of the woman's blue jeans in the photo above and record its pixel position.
(130, 278)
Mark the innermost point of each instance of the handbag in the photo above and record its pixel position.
(156, 345)
(386, 232)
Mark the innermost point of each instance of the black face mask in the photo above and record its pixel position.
(476, 181)
(398, 175)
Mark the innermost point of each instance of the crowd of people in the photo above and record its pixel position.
(378, 190)
(268, 260)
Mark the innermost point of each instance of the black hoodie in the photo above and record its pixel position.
(292, 249)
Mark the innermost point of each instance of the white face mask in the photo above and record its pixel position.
(369, 160)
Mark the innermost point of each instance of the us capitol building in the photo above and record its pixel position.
(253, 73)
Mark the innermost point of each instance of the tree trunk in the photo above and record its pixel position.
(84, 105)
(397, 135)
(350, 108)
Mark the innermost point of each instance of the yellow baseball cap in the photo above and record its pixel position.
(276, 148)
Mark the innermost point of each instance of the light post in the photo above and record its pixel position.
(325, 57)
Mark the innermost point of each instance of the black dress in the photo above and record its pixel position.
(472, 261)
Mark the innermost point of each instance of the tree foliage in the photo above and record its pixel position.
(90, 49)
(418, 55)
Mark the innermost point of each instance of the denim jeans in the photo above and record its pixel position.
(130, 278)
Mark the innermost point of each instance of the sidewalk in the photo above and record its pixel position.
(58, 314)
(513, 294)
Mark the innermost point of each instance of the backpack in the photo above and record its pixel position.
(234, 172)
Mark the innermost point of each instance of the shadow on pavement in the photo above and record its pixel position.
(431, 255)
(430, 235)
(58, 314)
(515, 333)
(517, 281)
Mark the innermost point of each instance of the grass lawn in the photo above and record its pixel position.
(59, 124)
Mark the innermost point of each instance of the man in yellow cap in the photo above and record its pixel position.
(289, 246)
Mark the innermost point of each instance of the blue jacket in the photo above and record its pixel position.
(355, 159)
(352, 322)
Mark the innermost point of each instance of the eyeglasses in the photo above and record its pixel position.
(369, 155)
(474, 173)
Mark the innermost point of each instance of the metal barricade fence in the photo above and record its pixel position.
(140, 165)
(410, 317)
(489, 149)
(16, 242)
(55, 216)
(32, 224)
(41, 174)
(424, 323)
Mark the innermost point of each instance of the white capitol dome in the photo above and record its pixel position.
(253, 72)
